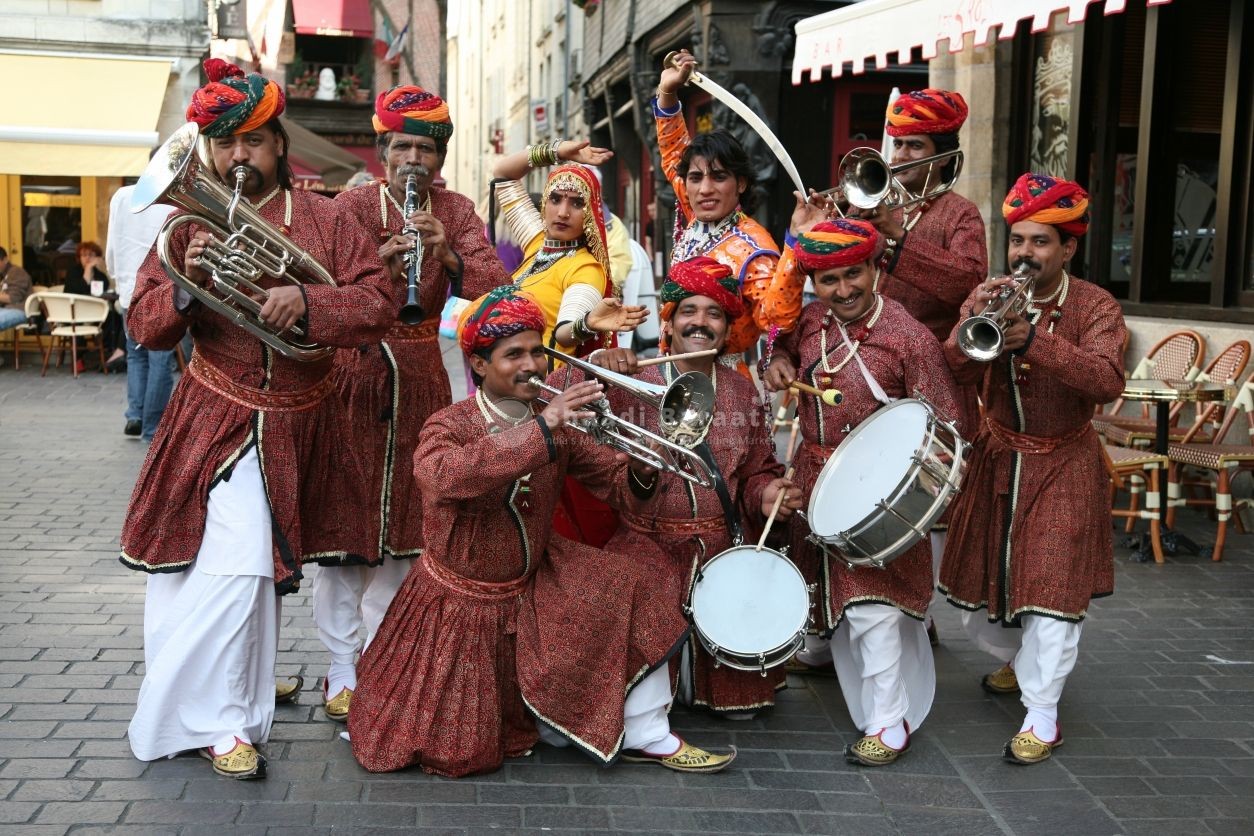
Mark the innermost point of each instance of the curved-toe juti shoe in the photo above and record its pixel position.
(1025, 747)
(336, 708)
(286, 691)
(687, 758)
(871, 750)
(242, 763)
(1001, 681)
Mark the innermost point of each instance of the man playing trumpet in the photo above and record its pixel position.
(1030, 537)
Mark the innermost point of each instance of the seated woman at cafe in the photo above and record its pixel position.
(88, 278)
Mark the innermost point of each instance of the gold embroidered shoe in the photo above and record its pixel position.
(1001, 681)
(243, 762)
(288, 690)
(871, 750)
(687, 758)
(337, 707)
(1025, 747)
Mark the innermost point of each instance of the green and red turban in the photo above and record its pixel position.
(927, 111)
(232, 102)
(1048, 200)
(836, 243)
(408, 109)
(701, 276)
(498, 314)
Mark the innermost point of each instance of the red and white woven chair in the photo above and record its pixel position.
(1224, 459)
(1176, 356)
(1135, 471)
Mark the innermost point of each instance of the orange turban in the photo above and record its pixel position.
(1048, 200)
(409, 109)
(836, 243)
(233, 103)
(927, 111)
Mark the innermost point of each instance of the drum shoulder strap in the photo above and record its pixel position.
(724, 496)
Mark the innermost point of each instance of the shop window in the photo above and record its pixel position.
(52, 221)
(330, 68)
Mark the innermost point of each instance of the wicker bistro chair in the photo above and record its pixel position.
(1135, 471)
(1175, 357)
(1225, 460)
(71, 316)
(1227, 367)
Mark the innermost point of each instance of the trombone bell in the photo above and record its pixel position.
(867, 180)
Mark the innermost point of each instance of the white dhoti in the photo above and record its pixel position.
(211, 632)
(345, 600)
(884, 663)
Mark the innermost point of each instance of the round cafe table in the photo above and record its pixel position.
(1163, 393)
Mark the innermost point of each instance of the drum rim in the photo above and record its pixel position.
(707, 641)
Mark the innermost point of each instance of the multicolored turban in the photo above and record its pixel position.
(927, 111)
(701, 276)
(836, 243)
(1048, 200)
(409, 109)
(573, 177)
(233, 103)
(501, 312)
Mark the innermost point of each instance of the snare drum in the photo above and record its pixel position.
(886, 484)
(750, 608)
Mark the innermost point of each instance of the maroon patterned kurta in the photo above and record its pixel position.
(310, 471)
(392, 387)
(500, 615)
(942, 260)
(684, 526)
(902, 356)
(1031, 530)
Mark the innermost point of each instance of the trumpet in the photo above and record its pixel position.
(246, 249)
(411, 312)
(867, 180)
(685, 407)
(981, 337)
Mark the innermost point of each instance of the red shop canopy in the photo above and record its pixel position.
(346, 18)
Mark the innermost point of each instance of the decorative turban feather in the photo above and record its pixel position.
(1048, 200)
(836, 243)
(498, 314)
(409, 109)
(701, 276)
(927, 111)
(232, 102)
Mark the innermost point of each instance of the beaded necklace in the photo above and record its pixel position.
(1034, 310)
(699, 237)
(287, 207)
(495, 418)
(549, 254)
(858, 336)
(386, 197)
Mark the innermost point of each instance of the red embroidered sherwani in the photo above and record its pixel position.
(500, 615)
(943, 258)
(238, 391)
(902, 356)
(392, 387)
(683, 526)
(742, 244)
(1031, 530)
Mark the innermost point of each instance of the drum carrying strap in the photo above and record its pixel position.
(724, 496)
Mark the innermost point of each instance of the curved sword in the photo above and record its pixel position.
(742, 110)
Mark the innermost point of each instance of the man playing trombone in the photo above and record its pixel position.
(1030, 537)
(502, 623)
(391, 387)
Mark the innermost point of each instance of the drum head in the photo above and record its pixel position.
(748, 601)
(867, 468)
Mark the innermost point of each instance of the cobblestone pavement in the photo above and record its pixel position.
(1159, 715)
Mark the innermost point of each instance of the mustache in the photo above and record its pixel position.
(416, 169)
(253, 173)
(693, 330)
(1019, 262)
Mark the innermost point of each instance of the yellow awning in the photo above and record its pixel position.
(79, 115)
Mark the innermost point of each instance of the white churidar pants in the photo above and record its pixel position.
(1042, 654)
(884, 663)
(645, 721)
(345, 599)
(211, 631)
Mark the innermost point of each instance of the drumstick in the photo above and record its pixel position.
(831, 397)
(779, 497)
(671, 358)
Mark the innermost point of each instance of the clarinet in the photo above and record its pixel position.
(411, 312)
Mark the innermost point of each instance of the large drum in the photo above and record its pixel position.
(886, 484)
(750, 608)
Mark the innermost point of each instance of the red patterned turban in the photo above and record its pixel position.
(836, 243)
(1048, 200)
(409, 109)
(927, 111)
(701, 276)
(499, 313)
(233, 103)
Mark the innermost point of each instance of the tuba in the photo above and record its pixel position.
(867, 180)
(247, 250)
(980, 337)
(685, 407)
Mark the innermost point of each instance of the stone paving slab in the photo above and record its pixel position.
(1159, 715)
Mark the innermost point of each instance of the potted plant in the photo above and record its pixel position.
(303, 84)
(348, 88)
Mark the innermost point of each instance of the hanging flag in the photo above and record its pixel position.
(398, 44)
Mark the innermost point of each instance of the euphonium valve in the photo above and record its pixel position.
(982, 336)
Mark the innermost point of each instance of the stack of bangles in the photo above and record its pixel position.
(580, 331)
(543, 153)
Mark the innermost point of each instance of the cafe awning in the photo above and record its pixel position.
(873, 29)
(57, 119)
(315, 154)
(347, 18)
